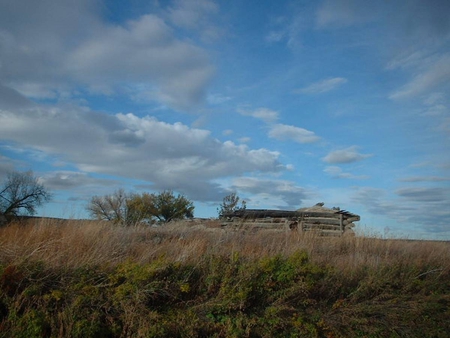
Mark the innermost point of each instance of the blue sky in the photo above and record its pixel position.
(287, 103)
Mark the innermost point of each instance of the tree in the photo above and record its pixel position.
(230, 204)
(22, 193)
(166, 207)
(140, 208)
(132, 209)
(112, 207)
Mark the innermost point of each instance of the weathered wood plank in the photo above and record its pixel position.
(321, 214)
(322, 220)
(321, 226)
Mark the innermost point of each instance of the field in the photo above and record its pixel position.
(196, 279)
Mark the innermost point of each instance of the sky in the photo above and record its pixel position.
(286, 103)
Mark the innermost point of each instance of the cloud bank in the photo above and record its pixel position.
(56, 53)
(169, 156)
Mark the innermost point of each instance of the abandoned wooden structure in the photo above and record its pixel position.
(324, 221)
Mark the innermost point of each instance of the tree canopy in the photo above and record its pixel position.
(109, 207)
(166, 207)
(131, 209)
(21, 192)
(230, 204)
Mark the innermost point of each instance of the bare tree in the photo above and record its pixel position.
(109, 207)
(22, 191)
(230, 204)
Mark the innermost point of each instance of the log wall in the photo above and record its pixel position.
(324, 221)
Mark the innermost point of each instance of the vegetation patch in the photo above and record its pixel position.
(218, 284)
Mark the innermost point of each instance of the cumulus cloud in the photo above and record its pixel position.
(322, 86)
(65, 180)
(285, 132)
(347, 155)
(336, 172)
(144, 51)
(264, 114)
(171, 156)
(52, 49)
(287, 193)
(282, 132)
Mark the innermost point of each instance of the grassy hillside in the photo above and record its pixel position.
(90, 279)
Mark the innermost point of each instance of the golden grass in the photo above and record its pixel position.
(196, 279)
(75, 243)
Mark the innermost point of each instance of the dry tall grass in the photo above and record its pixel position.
(196, 279)
(75, 243)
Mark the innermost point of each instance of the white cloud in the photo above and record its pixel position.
(436, 104)
(275, 36)
(322, 86)
(171, 156)
(427, 207)
(337, 172)
(11, 99)
(189, 13)
(144, 51)
(285, 194)
(286, 132)
(218, 98)
(407, 60)
(347, 155)
(50, 53)
(264, 114)
(434, 99)
(66, 180)
(423, 194)
(437, 110)
(245, 139)
(289, 28)
(196, 15)
(430, 75)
